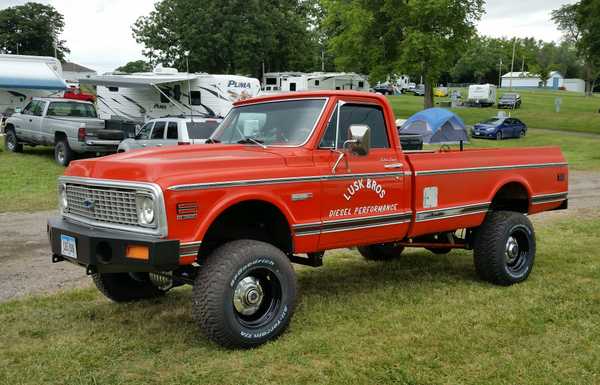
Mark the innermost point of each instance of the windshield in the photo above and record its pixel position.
(72, 109)
(492, 121)
(508, 96)
(287, 123)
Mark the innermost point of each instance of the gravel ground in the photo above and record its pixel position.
(25, 266)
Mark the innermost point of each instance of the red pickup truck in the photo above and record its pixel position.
(283, 179)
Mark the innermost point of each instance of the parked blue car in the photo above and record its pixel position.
(499, 128)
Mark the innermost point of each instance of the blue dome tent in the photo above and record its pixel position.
(436, 125)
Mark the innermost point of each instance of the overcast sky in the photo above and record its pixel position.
(98, 32)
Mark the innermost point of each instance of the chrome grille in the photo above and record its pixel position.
(102, 204)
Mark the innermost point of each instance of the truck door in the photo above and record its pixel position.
(36, 120)
(363, 199)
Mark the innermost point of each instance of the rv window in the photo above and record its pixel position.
(172, 131)
(202, 130)
(195, 98)
(159, 130)
(271, 81)
(292, 86)
(361, 84)
(163, 95)
(337, 88)
(317, 82)
(113, 89)
(177, 92)
(144, 132)
(371, 116)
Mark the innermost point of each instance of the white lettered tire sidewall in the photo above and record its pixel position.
(280, 319)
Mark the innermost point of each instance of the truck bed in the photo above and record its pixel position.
(460, 186)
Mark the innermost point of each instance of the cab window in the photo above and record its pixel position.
(352, 114)
(172, 130)
(28, 108)
(144, 132)
(159, 130)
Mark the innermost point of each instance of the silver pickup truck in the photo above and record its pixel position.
(71, 126)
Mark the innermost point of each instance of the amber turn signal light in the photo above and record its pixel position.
(138, 252)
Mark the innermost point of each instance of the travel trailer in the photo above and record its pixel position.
(483, 95)
(150, 95)
(296, 81)
(25, 77)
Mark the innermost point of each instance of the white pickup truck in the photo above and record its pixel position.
(71, 126)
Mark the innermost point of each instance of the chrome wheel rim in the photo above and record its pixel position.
(60, 154)
(248, 296)
(10, 142)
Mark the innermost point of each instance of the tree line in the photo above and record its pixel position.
(433, 40)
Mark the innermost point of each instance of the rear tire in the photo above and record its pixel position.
(11, 142)
(522, 134)
(499, 135)
(124, 287)
(245, 294)
(504, 249)
(381, 251)
(62, 152)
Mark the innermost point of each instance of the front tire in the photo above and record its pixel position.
(126, 287)
(63, 153)
(11, 142)
(381, 251)
(499, 135)
(245, 294)
(504, 249)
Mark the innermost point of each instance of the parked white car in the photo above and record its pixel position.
(171, 131)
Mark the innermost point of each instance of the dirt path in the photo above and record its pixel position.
(25, 266)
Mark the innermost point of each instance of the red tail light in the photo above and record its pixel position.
(81, 134)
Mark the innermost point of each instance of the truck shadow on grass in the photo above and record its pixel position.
(346, 280)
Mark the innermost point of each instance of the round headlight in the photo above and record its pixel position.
(146, 211)
(62, 197)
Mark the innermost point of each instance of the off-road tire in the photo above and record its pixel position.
(63, 154)
(492, 259)
(381, 251)
(124, 287)
(213, 306)
(11, 142)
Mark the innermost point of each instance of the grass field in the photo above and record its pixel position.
(578, 113)
(28, 180)
(422, 319)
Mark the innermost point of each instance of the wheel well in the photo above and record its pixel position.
(59, 135)
(254, 219)
(511, 197)
(9, 127)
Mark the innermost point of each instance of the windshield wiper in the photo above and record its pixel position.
(250, 140)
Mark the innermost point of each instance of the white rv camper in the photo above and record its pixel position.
(151, 95)
(482, 95)
(315, 81)
(25, 77)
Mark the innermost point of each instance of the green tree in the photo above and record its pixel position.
(419, 37)
(32, 29)
(580, 24)
(231, 36)
(135, 66)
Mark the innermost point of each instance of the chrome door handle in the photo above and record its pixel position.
(394, 165)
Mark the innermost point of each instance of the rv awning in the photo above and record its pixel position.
(33, 75)
(133, 81)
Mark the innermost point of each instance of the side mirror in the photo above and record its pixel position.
(18, 110)
(360, 139)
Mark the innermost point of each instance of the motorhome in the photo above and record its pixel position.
(483, 95)
(315, 81)
(25, 77)
(165, 91)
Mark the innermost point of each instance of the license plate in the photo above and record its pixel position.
(68, 247)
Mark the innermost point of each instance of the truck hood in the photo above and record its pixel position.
(179, 164)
